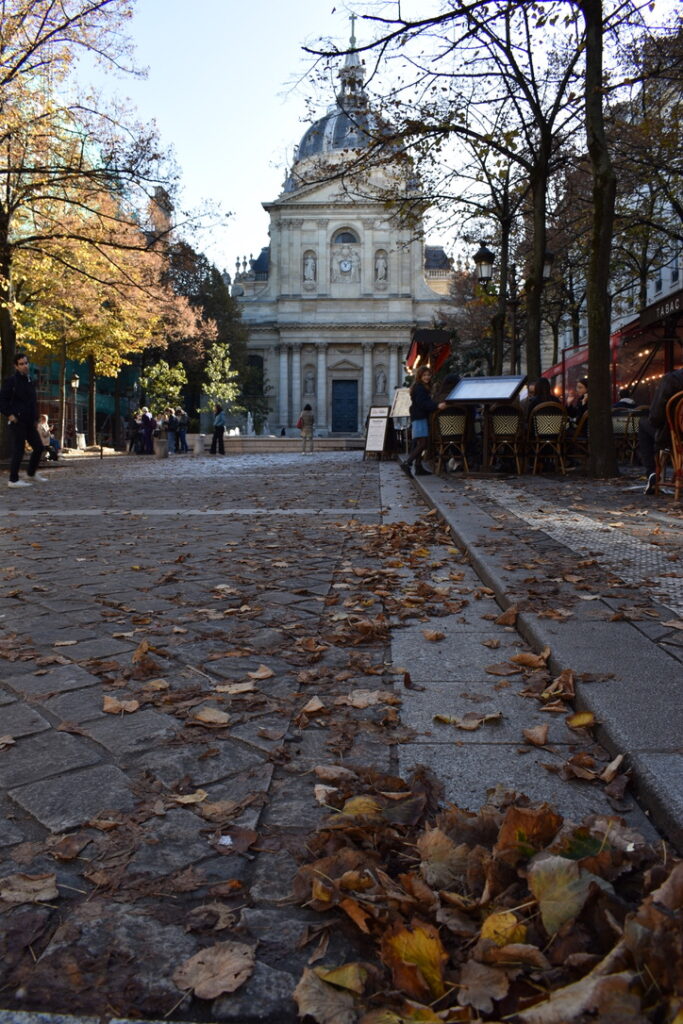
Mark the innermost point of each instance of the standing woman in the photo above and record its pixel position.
(218, 430)
(422, 405)
(306, 420)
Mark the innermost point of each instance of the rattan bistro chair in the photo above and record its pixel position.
(673, 455)
(505, 434)
(546, 435)
(449, 427)
(625, 428)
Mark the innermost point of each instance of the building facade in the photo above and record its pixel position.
(331, 302)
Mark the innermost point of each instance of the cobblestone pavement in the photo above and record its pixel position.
(183, 642)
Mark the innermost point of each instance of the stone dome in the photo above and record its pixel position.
(348, 123)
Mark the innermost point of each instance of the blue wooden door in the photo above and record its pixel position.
(344, 406)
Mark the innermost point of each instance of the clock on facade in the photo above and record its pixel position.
(345, 266)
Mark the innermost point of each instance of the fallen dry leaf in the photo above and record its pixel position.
(262, 672)
(7, 741)
(509, 617)
(324, 1003)
(22, 888)
(538, 735)
(581, 720)
(469, 721)
(209, 717)
(433, 635)
(218, 969)
(114, 706)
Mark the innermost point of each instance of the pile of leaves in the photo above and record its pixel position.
(508, 914)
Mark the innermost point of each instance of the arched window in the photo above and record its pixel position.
(345, 237)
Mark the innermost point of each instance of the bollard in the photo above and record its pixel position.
(199, 444)
(160, 447)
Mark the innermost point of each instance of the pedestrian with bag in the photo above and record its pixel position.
(18, 403)
(422, 405)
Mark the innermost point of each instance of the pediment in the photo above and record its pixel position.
(342, 364)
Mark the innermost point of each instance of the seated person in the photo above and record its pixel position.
(579, 405)
(626, 401)
(539, 392)
(653, 430)
(49, 441)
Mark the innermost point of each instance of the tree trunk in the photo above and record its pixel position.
(8, 337)
(92, 402)
(534, 290)
(602, 453)
(62, 394)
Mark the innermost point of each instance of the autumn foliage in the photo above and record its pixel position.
(512, 913)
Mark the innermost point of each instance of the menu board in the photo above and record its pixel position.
(486, 389)
(377, 428)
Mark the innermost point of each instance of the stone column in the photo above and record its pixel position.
(321, 384)
(392, 376)
(368, 383)
(296, 378)
(283, 396)
(369, 254)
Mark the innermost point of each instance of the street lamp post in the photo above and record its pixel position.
(75, 381)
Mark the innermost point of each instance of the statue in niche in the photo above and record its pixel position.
(381, 382)
(309, 382)
(381, 266)
(309, 266)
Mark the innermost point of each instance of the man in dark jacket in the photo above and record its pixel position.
(653, 430)
(18, 404)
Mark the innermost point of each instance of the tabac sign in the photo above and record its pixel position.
(670, 305)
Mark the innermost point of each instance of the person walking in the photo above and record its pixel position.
(183, 423)
(18, 404)
(422, 405)
(306, 421)
(218, 430)
(172, 431)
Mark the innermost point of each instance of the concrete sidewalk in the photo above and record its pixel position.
(625, 597)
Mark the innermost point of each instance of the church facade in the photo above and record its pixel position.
(331, 303)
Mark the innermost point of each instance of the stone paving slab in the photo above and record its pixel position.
(41, 756)
(53, 680)
(65, 802)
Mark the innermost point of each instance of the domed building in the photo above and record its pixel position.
(331, 303)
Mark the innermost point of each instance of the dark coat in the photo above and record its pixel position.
(18, 398)
(422, 404)
(669, 385)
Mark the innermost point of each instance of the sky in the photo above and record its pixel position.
(225, 88)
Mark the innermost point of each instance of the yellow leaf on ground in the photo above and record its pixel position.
(350, 976)
(362, 807)
(503, 928)
(218, 969)
(581, 720)
(416, 958)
